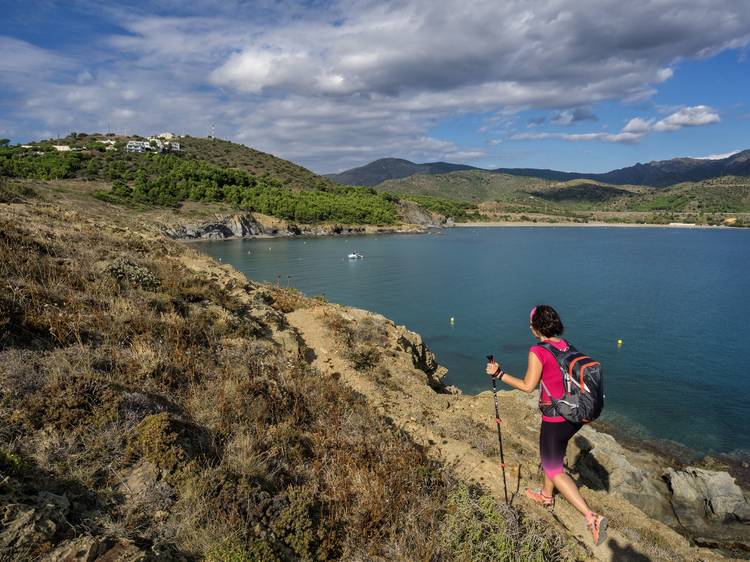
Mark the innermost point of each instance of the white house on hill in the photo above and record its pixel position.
(138, 146)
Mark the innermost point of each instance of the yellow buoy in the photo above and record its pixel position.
(453, 320)
(619, 343)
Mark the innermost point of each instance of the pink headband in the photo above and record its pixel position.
(531, 314)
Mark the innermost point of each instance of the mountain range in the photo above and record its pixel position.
(661, 173)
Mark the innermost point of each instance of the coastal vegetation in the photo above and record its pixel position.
(459, 211)
(210, 171)
(156, 404)
(493, 196)
(169, 179)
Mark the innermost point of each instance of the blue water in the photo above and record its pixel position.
(678, 298)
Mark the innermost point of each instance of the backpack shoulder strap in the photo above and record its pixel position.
(544, 386)
(553, 350)
(558, 355)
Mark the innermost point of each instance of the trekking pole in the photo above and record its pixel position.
(499, 431)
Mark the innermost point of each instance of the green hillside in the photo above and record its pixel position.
(478, 186)
(490, 196)
(392, 168)
(232, 155)
(222, 153)
(729, 194)
(204, 170)
(466, 185)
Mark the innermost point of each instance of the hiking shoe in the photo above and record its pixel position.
(537, 496)
(598, 527)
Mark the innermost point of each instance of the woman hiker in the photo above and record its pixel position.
(556, 431)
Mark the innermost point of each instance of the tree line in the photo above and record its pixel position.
(168, 179)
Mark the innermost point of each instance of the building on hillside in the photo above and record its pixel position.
(61, 147)
(167, 136)
(138, 146)
(163, 145)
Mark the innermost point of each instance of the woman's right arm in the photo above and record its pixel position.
(529, 381)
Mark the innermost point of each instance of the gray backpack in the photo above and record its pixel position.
(583, 383)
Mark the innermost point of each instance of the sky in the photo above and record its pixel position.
(584, 85)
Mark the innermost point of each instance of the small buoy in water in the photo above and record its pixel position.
(619, 343)
(453, 320)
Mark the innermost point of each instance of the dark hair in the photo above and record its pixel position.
(546, 321)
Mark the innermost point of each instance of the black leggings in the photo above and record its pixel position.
(553, 440)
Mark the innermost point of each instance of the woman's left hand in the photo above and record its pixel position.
(493, 368)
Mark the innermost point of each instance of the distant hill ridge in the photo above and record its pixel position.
(659, 173)
(391, 169)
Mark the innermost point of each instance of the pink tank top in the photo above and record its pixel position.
(550, 375)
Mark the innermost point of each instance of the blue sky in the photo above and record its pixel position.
(574, 85)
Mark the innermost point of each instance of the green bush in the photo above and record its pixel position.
(478, 528)
(11, 463)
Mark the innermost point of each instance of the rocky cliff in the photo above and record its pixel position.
(262, 226)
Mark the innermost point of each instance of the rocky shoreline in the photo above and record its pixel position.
(255, 225)
(705, 506)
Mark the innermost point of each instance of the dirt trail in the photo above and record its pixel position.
(431, 418)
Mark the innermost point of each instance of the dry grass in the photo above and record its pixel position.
(479, 436)
(363, 341)
(116, 360)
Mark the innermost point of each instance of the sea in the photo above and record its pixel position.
(677, 300)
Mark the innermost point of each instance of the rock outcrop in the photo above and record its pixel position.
(709, 503)
(603, 464)
(28, 522)
(422, 358)
(412, 213)
(233, 226)
(252, 226)
(101, 549)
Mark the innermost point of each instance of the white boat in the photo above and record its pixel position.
(355, 256)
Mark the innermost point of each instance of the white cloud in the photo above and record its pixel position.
(22, 59)
(637, 128)
(638, 125)
(717, 156)
(688, 117)
(623, 137)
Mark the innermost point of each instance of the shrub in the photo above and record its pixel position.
(363, 358)
(11, 463)
(480, 528)
(130, 274)
(14, 193)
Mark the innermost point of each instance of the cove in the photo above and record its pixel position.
(679, 300)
